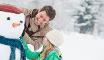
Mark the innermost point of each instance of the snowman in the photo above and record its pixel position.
(12, 22)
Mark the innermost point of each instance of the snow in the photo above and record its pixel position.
(76, 46)
(82, 47)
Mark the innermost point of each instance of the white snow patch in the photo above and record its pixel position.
(82, 47)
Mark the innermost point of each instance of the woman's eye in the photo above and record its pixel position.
(8, 18)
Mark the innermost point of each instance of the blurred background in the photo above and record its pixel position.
(83, 16)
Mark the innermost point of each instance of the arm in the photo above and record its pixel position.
(27, 38)
(25, 11)
(36, 43)
(28, 52)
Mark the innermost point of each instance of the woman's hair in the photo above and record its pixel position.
(50, 11)
(34, 12)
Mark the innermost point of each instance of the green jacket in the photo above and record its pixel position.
(29, 54)
(52, 55)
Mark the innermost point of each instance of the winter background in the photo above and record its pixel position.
(80, 21)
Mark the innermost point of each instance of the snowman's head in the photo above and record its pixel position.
(11, 21)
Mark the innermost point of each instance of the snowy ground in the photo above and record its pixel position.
(82, 47)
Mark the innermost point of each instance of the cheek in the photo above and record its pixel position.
(41, 19)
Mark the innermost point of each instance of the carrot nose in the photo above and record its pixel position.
(15, 25)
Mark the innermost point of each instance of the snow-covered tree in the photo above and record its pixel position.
(99, 26)
(86, 16)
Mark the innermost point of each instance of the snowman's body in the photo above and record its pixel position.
(11, 28)
(11, 49)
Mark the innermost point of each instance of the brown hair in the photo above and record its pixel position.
(50, 11)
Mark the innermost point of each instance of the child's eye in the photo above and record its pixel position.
(8, 18)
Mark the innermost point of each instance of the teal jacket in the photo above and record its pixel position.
(53, 55)
(29, 54)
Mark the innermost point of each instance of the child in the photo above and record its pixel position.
(52, 40)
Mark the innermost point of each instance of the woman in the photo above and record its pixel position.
(52, 40)
(37, 25)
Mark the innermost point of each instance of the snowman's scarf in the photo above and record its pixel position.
(13, 43)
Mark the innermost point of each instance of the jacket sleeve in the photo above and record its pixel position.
(26, 11)
(28, 52)
(27, 38)
(36, 43)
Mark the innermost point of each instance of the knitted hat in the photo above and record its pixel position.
(55, 37)
(10, 8)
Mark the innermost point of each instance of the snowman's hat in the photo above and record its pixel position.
(9, 8)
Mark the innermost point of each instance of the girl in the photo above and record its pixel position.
(52, 40)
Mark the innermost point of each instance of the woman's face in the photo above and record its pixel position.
(41, 18)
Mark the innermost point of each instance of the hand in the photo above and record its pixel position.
(40, 49)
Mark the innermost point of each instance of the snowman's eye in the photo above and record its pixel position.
(21, 21)
(8, 18)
